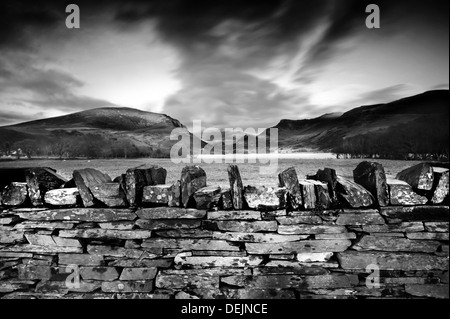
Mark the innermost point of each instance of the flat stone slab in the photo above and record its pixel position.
(81, 259)
(44, 225)
(396, 244)
(263, 198)
(371, 217)
(296, 220)
(234, 215)
(41, 249)
(307, 246)
(157, 194)
(244, 226)
(105, 233)
(168, 224)
(205, 196)
(212, 262)
(118, 252)
(138, 273)
(257, 237)
(185, 233)
(310, 229)
(128, 286)
(100, 215)
(189, 244)
(170, 213)
(417, 213)
(392, 261)
(99, 273)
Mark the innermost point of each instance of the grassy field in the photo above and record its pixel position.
(216, 173)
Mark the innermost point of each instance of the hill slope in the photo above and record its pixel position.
(110, 132)
(414, 117)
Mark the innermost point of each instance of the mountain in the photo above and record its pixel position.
(109, 132)
(420, 119)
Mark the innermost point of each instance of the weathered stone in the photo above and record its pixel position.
(13, 285)
(40, 240)
(189, 244)
(87, 178)
(193, 178)
(441, 188)
(186, 259)
(336, 236)
(428, 236)
(234, 215)
(305, 219)
(62, 197)
(138, 273)
(8, 220)
(118, 252)
(417, 213)
(310, 229)
(323, 199)
(395, 244)
(137, 178)
(170, 213)
(369, 217)
(157, 194)
(392, 261)
(128, 286)
(81, 259)
(43, 225)
(4, 254)
(219, 253)
(40, 180)
(99, 273)
(437, 227)
(161, 224)
(236, 187)
(282, 257)
(372, 177)
(30, 272)
(15, 194)
(314, 257)
(126, 225)
(10, 237)
(45, 250)
(204, 196)
(329, 177)
(308, 194)
(307, 246)
(261, 294)
(146, 263)
(175, 195)
(257, 237)
(85, 286)
(243, 226)
(282, 267)
(401, 193)
(185, 233)
(226, 200)
(109, 194)
(289, 180)
(99, 215)
(432, 291)
(105, 233)
(263, 198)
(407, 227)
(419, 176)
(353, 194)
(182, 281)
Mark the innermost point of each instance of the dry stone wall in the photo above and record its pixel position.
(137, 237)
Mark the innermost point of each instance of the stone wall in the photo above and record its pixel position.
(319, 237)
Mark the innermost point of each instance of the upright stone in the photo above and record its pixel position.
(237, 188)
(402, 194)
(62, 197)
(289, 180)
(419, 176)
(175, 195)
(87, 178)
(15, 194)
(263, 198)
(329, 177)
(308, 193)
(193, 178)
(372, 177)
(204, 197)
(39, 181)
(137, 178)
(110, 194)
(441, 189)
(353, 194)
(323, 199)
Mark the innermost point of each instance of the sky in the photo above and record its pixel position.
(228, 63)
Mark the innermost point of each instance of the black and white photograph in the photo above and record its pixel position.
(237, 151)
